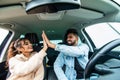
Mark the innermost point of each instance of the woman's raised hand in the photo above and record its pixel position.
(46, 39)
(45, 46)
(51, 45)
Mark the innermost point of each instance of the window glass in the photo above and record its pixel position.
(116, 26)
(54, 41)
(22, 36)
(101, 34)
(117, 1)
(3, 34)
(117, 49)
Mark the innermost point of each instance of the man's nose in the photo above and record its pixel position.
(68, 39)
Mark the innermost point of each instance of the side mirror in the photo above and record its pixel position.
(51, 6)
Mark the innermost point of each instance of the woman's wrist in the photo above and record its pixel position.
(44, 48)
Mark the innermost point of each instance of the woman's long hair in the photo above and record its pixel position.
(12, 50)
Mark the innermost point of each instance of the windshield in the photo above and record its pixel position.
(117, 1)
(102, 33)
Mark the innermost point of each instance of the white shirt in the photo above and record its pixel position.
(23, 68)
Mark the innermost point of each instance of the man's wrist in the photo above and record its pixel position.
(51, 45)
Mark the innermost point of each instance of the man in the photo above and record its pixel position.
(73, 54)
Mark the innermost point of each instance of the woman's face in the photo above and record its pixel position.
(26, 46)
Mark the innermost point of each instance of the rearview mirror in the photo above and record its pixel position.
(51, 6)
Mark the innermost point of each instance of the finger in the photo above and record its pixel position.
(43, 31)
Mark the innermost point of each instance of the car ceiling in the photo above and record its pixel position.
(13, 16)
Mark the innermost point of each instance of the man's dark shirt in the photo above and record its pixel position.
(78, 69)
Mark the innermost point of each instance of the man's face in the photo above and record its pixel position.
(72, 39)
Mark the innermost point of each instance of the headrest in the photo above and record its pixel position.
(32, 37)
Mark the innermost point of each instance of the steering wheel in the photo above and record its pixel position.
(96, 56)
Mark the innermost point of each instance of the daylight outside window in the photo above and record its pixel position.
(54, 41)
(115, 26)
(3, 34)
(117, 1)
(102, 33)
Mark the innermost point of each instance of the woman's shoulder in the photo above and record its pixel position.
(20, 57)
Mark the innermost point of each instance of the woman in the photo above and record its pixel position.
(24, 64)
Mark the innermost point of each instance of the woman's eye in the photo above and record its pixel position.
(26, 43)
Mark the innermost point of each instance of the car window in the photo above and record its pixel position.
(3, 34)
(115, 26)
(54, 41)
(117, 1)
(5, 38)
(117, 49)
(102, 33)
(22, 36)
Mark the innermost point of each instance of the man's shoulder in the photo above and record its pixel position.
(82, 44)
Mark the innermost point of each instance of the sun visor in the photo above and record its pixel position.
(85, 13)
(51, 6)
(10, 12)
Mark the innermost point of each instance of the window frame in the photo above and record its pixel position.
(4, 45)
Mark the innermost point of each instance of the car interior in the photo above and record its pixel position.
(28, 18)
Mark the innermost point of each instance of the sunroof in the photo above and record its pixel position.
(117, 1)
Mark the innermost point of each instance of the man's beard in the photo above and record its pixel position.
(71, 44)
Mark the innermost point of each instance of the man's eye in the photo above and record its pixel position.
(70, 37)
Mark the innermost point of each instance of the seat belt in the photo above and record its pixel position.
(78, 69)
